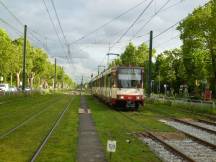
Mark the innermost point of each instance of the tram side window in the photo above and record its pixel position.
(114, 83)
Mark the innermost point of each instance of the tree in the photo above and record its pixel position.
(129, 55)
(5, 46)
(198, 32)
(18, 46)
(37, 64)
(169, 68)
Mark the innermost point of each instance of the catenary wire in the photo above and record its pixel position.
(59, 22)
(133, 23)
(108, 22)
(151, 18)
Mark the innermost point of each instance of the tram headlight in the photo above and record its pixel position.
(121, 97)
(138, 97)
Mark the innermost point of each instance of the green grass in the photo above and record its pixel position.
(111, 124)
(166, 111)
(187, 106)
(20, 145)
(20, 109)
(61, 147)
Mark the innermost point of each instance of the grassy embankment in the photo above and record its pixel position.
(20, 145)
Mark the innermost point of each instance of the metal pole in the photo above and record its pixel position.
(108, 56)
(159, 80)
(81, 85)
(150, 64)
(24, 59)
(108, 61)
(62, 78)
(110, 156)
(55, 76)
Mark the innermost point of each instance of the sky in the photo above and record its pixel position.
(80, 18)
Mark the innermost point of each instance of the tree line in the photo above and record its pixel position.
(192, 65)
(40, 71)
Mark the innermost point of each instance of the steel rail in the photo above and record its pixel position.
(194, 125)
(207, 122)
(8, 132)
(210, 117)
(212, 146)
(203, 142)
(169, 147)
(46, 138)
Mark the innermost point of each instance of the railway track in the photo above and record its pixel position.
(189, 148)
(207, 122)
(197, 125)
(160, 147)
(53, 127)
(207, 116)
(194, 130)
(12, 100)
(28, 119)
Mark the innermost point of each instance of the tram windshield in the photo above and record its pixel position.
(129, 78)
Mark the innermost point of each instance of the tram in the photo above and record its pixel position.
(120, 86)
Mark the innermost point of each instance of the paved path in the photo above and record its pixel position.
(89, 146)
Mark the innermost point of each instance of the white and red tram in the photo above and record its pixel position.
(120, 86)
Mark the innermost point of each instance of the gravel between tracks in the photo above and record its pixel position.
(192, 131)
(161, 151)
(196, 151)
(211, 127)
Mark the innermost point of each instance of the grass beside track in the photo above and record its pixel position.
(111, 124)
(20, 145)
(166, 111)
(184, 106)
(61, 147)
(14, 113)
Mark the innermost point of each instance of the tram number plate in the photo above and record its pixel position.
(111, 146)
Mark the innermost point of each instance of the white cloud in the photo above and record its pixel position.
(81, 17)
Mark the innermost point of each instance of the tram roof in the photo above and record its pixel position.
(108, 71)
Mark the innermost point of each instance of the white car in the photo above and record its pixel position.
(13, 89)
(4, 87)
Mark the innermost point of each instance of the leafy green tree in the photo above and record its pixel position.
(198, 32)
(169, 69)
(5, 46)
(39, 70)
(129, 55)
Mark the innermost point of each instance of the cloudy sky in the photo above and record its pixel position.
(80, 18)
